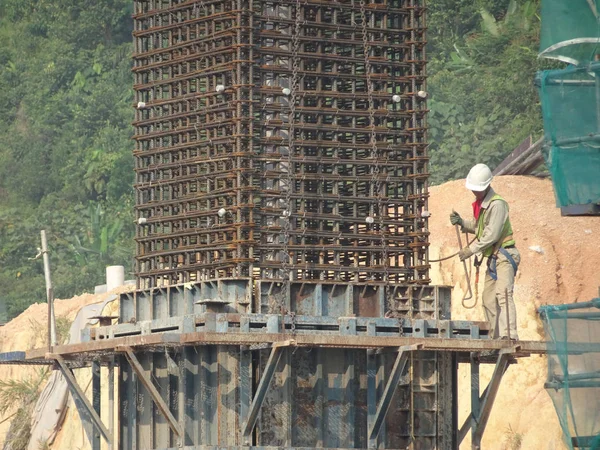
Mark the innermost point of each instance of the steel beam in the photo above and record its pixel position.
(158, 400)
(390, 388)
(111, 398)
(96, 400)
(523, 348)
(261, 391)
(481, 406)
(77, 392)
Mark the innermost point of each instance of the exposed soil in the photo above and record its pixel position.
(562, 268)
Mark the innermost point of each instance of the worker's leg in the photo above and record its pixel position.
(505, 285)
(490, 306)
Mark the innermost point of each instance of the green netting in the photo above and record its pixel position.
(573, 332)
(570, 30)
(571, 112)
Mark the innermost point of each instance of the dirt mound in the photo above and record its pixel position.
(559, 261)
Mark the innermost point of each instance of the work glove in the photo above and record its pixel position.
(455, 219)
(465, 253)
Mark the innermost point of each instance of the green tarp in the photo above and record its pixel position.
(570, 30)
(571, 114)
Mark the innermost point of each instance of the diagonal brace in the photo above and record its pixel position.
(390, 388)
(76, 391)
(158, 400)
(262, 388)
(486, 401)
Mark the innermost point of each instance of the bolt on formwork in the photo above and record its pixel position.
(281, 140)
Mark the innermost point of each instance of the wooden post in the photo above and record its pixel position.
(49, 293)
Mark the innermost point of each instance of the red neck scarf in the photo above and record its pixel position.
(477, 208)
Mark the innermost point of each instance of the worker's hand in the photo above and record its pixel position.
(465, 253)
(455, 219)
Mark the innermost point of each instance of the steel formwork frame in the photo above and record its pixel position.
(197, 363)
(281, 140)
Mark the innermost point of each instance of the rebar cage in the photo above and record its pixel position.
(280, 140)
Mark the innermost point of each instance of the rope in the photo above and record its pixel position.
(451, 256)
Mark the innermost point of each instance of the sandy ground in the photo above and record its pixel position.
(561, 269)
(28, 331)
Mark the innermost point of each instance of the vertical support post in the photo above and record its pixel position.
(390, 389)
(111, 399)
(49, 292)
(96, 401)
(475, 402)
(487, 399)
(261, 392)
(481, 406)
(371, 394)
(245, 385)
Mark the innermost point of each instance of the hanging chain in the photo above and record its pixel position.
(286, 263)
(376, 181)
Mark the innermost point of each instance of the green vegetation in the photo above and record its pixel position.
(65, 155)
(483, 59)
(21, 396)
(66, 107)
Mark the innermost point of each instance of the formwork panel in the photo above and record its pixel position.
(318, 398)
(280, 140)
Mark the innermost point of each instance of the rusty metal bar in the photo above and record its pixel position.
(216, 162)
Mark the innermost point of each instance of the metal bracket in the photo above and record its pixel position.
(158, 400)
(77, 392)
(390, 388)
(262, 388)
(481, 407)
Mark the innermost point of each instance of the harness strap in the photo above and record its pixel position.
(510, 259)
(492, 261)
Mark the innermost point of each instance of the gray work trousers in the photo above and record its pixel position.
(495, 301)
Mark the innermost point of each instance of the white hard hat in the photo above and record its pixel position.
(479, 178)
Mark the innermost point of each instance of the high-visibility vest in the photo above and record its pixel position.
(507, 233)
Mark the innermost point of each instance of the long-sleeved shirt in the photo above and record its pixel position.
(496, 214)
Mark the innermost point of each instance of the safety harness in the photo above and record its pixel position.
(506, 241)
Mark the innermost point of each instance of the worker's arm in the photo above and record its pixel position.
(468, 226)
(495, 218)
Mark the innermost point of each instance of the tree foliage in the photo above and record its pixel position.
(65, 160)
(483, 59)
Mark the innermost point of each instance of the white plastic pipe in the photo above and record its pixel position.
(115, 277)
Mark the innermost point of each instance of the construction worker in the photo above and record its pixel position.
(495, 241)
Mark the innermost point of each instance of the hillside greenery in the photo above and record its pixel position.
(66, 105)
